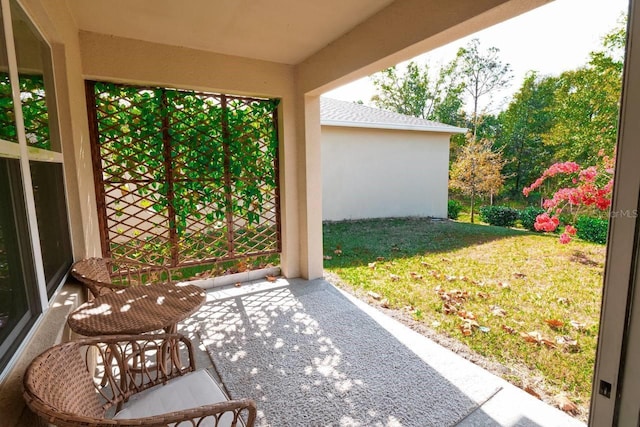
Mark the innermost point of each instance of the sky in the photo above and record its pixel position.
(551, 39)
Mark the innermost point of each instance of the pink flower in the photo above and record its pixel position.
(570, 230)
(565, 238)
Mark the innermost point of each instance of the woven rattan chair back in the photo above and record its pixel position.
(58, 382)
(103, 275)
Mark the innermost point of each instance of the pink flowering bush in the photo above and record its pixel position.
(591, 187)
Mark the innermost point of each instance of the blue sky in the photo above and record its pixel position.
(550, 39)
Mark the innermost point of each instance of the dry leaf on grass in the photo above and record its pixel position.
(445, 260)
(374, 295)
(519, 275)
(577, 325)
(533, 337)
(564, 301)
(498, 311)
(482, 295)
(425, 264)
(415, 275)
(532, 392)
(566, 404)
(372, 265)
(338, 252)
(504, 285)
(384, 303)
(380, 258)
(449, 309)
(466, 315)
(468, 326)
(554, 323)
(508, 329)
(394, 277)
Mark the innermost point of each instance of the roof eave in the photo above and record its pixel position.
(376, 125)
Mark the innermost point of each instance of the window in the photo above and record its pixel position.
(35, 248)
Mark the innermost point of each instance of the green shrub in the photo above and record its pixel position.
(592, 229)
(528, 217)
(453, 209)
(502, 216)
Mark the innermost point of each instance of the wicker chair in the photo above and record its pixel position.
(62, 385)
(103, 275)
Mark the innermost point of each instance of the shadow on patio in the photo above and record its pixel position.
(312, 355)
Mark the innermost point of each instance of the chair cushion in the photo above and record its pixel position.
(190, 391)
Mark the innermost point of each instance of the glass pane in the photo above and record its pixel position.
(7, 117)
(53, 225)
(17, 278)
(36, 82)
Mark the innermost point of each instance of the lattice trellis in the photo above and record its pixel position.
(184, 177)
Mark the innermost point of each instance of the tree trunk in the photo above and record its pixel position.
(473, 195)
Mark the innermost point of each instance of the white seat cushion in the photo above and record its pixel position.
(190, 391)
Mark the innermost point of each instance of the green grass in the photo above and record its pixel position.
(531, 278)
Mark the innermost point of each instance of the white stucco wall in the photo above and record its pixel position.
(378, 173)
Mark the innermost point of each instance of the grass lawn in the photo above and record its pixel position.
(515, 297)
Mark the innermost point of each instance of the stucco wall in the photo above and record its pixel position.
(378, 173)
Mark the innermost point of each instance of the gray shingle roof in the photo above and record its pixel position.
(341, 113)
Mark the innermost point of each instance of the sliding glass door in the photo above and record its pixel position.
(35, 248)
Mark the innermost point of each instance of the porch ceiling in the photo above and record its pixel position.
(284, 31)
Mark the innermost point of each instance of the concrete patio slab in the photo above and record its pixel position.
(506, 405)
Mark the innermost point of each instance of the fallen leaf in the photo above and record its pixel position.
(327, 257)
(425, 264)
(380, 258)
(563, 300)
(241, 267)
(445, 260)
(548, 343)
(372, 265)
(569, 344)
(451, 278)
(435, 274)
(415, 275)
(482, 295)
(508, 329)
(566, 404)
(394, 277)
(449, 309)
(408, 308)
(374, 295)
(465, 331)
(497, 311)
(466, 315)
(237, 285)
(533, 337)
(577, 325)
(532, 392)
(554, 323)
(271, 278)
(519, 275)
(338, 252)
(504, 285)
(384, 303)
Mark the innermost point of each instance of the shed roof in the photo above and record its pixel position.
(334, 112)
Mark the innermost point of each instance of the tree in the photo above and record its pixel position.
(482, 74)
(416, 93)
(522, 125)
(587, 104)
(477, 170)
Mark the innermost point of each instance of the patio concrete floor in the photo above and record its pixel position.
(509, 406)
